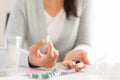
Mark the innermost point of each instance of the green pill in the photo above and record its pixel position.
(35, 76)
(48, 75)
(45, 76)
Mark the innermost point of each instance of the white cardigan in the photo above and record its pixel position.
(27, 19)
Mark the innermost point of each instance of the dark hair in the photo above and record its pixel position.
(70, 8)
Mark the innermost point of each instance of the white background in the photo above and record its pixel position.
(105, 20)
(104, 23)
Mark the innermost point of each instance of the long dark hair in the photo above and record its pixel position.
(70, 8)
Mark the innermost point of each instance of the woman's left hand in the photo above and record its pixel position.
(76, 55)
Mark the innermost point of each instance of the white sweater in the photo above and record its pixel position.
(27, 19)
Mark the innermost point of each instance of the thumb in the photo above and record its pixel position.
(39, 54)
(85, 59)
(35, 47)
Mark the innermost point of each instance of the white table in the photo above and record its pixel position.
(74, 76)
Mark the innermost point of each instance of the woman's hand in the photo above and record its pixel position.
(48, 59)
(76, 55)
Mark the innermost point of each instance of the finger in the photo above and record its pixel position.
(56, 53)
(38, 54)
(53, 59)
(50, 49)
(35, 53)
(69, 64)
(35, 48)
(46, 50)
(79, 66)
(72, 64)
(66, 64)
(85, 59)
(38, 45)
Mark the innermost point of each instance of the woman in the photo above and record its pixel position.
(62, 20)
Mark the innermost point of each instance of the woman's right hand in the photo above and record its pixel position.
(48, 59)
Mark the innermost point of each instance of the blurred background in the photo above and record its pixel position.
(105, 23)
(5, 8)
(104, 18)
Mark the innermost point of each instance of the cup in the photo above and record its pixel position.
(3, 60)
(13, 44)
(3, 57)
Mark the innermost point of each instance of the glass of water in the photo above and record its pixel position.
(13, 44)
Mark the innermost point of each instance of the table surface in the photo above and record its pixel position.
(83, 75)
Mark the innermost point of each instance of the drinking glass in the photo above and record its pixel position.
(13, 43)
